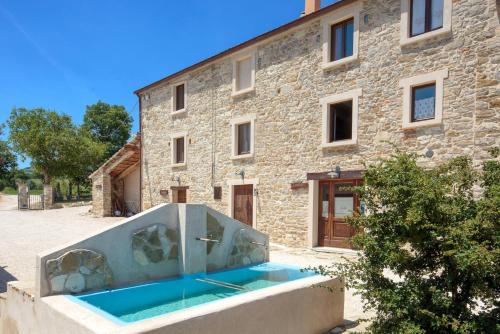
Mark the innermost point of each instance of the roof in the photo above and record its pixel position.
(126, 157)
(250, 42)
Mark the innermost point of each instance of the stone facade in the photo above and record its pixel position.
(48, 196)
(78, 270)
(155, 244)
(114, 183)
(289, 83)
(101, 194)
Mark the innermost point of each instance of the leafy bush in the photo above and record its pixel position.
(431, 255)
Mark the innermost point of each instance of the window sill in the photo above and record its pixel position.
(414, 125)
(242, 156)
(178, 112)
(327, 66)
(340, 143)
(242, 92)
(423, 37)
(179, 165)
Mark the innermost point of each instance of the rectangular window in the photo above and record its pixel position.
(179, 97)
(340, 121)
(342, 40)
(244, 74)
(423, 103)
(179, 150)
(426, 15)
(244, 138)
(344, 200)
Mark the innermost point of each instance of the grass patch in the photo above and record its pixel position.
(13, 191)
(9, 191)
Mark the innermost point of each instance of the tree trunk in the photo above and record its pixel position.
(78, 191)
(46, 178)
(70, 191)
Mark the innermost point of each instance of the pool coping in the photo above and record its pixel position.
(98, 322)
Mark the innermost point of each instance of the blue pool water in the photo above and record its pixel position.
(144, 301)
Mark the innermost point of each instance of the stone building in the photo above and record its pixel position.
(275, 131)
(116, 184)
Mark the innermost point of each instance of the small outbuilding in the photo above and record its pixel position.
(116, 185)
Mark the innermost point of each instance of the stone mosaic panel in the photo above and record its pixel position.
(155, 244)
(215, 231)
(77, 271)
(244, 251)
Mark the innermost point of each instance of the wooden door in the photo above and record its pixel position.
(179, 195)
(243, 204)
(336, 201)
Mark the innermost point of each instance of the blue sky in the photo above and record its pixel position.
(63, 55)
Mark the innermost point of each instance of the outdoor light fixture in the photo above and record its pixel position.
(334, 174)
(241, 173)
(366, 19)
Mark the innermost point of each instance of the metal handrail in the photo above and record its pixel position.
(222, 284)
(258, 243)
(208, 240)
(225, 283)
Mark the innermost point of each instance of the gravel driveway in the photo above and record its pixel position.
(23, 234)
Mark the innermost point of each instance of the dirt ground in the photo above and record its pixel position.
(23, 234)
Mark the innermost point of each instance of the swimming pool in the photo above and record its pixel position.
(139, 302)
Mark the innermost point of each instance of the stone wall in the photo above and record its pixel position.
(101, 194)
(48, 196)
(289, 84)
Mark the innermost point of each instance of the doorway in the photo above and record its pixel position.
(243, 203)
(179, 194)
(337, 201)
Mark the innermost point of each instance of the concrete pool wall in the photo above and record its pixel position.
(155, 244)
(292, 308)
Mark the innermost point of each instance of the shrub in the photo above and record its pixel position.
(431, 257)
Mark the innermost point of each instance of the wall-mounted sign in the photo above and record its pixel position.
(164, 192)
(299, 185)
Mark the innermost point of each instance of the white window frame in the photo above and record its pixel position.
(352, 95)
(234, 136)
(173, 145)
(174, 95)
(339, 15)
(237, 58)
(406, 39)
(408, 83)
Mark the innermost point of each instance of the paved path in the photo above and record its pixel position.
(8, 202)
(23, 234)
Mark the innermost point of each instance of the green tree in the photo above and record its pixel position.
(8, 161)
(431, 257)
(88, 155)
(108, 124)
(46, 137)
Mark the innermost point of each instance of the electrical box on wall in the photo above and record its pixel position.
(217, 192)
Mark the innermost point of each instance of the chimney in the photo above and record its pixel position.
(312, 6)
